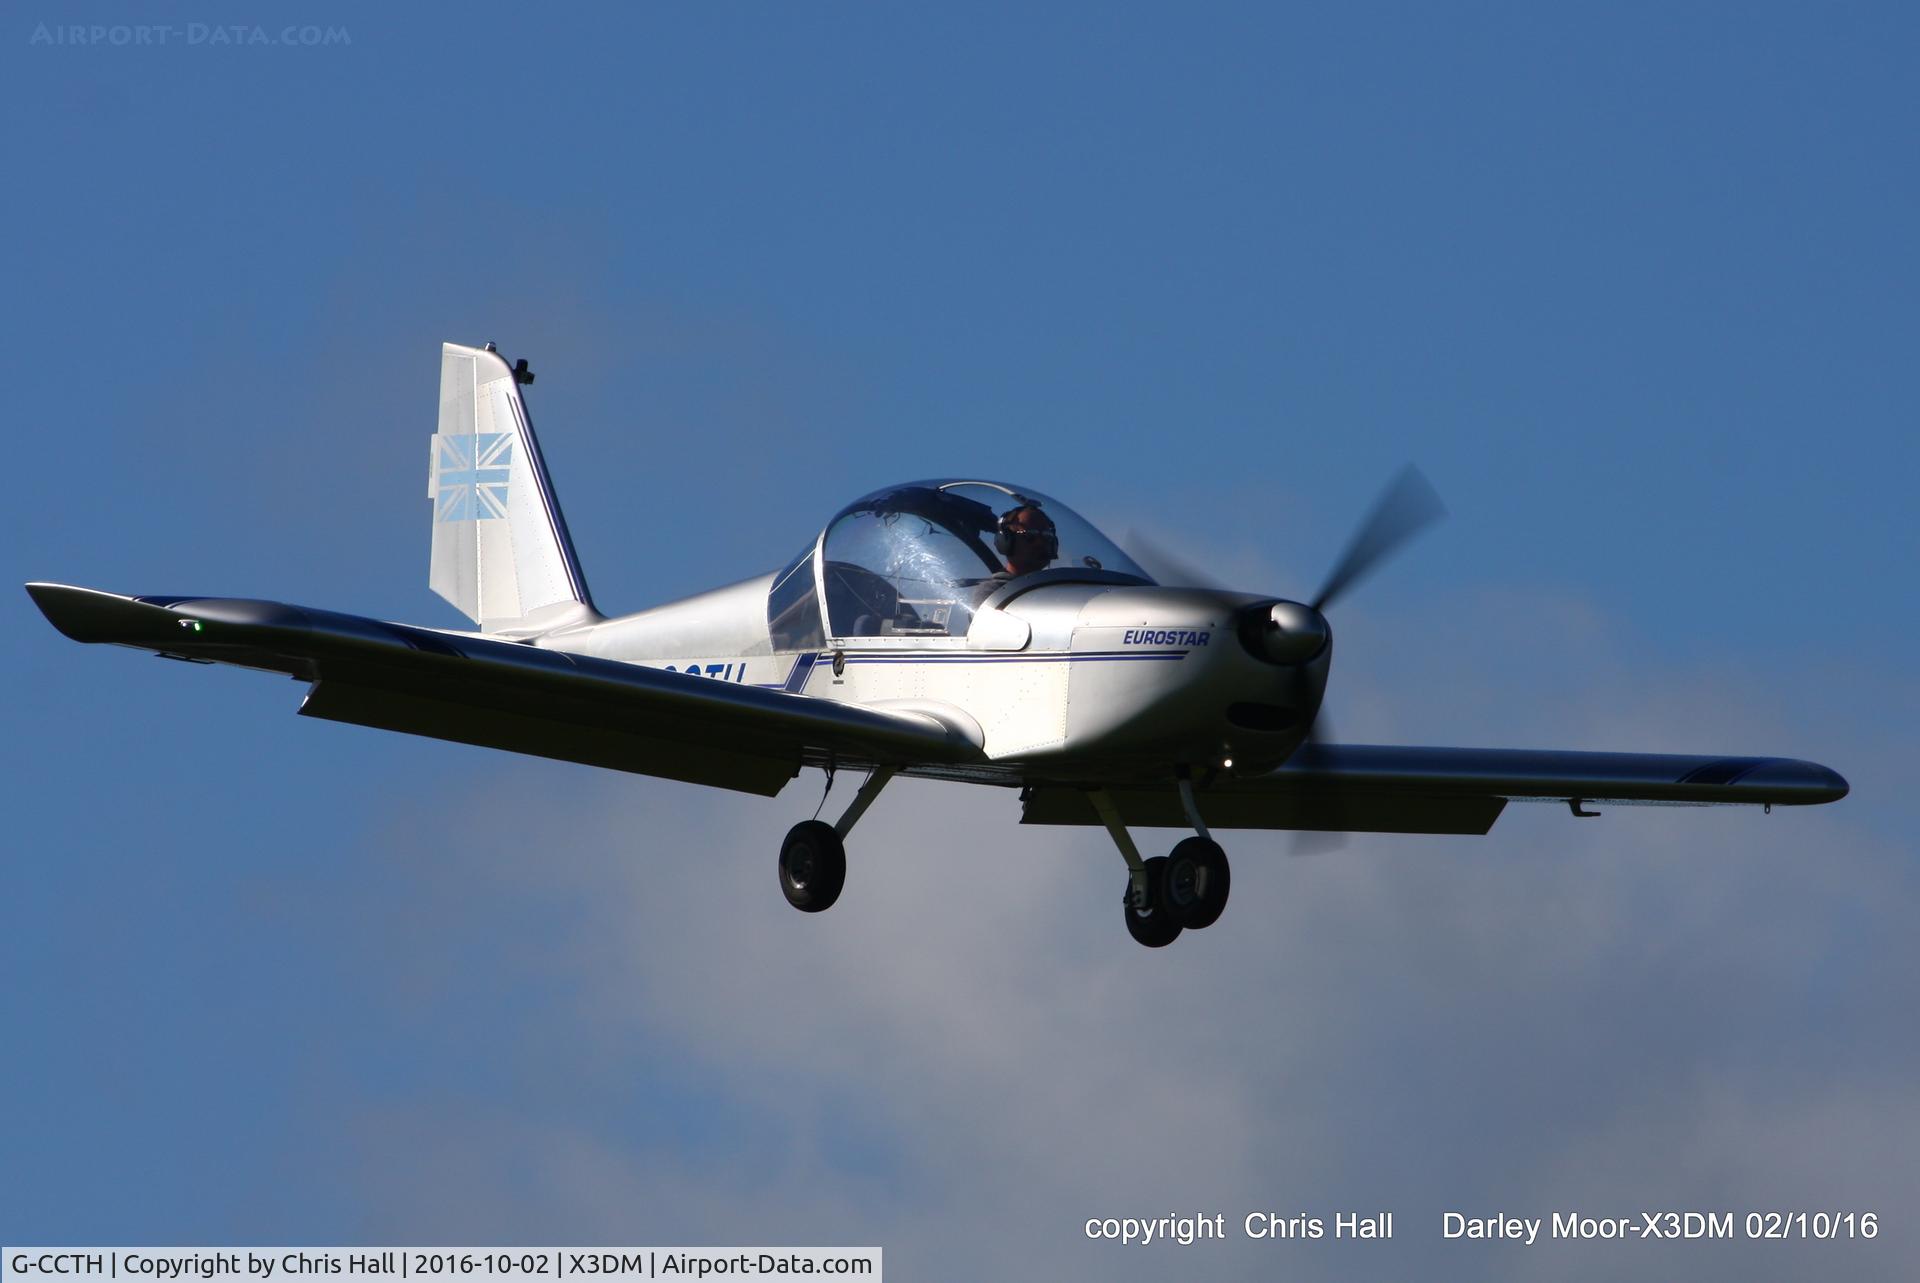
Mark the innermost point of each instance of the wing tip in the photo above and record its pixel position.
(1793, 782)
(84, 614)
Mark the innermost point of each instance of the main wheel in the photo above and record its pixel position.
(1155, 926)
(813, 866)
(1197, 882)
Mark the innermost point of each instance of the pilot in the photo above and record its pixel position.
(1027, 540)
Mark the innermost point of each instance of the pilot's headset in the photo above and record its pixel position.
(1003, 536)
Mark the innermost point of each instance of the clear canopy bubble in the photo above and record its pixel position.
(919, 559)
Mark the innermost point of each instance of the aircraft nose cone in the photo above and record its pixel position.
(1286, 632)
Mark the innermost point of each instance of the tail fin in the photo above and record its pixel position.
(501, 552)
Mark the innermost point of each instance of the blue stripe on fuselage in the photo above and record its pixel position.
(802, 669)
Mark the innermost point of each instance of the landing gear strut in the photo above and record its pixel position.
(1169, 893)
(813, 859)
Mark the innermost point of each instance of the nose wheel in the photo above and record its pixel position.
(1197, 880)
(1169, 893)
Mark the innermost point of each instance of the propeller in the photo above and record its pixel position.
(1407, 506)
(1168, 569)
(1293, 632)
(1308, 842)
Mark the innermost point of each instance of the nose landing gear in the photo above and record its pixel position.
(1197, 881)
(1169, 893)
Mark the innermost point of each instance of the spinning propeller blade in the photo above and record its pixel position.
(1406, 507)
(1311, 842)
(1168, 569)
(1316, 841)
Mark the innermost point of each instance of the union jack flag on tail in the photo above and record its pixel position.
(470, 476)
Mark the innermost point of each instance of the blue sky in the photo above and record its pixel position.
(1635, 287)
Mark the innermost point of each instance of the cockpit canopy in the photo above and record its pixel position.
(918, 560)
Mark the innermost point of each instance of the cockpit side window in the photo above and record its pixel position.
(793, 608)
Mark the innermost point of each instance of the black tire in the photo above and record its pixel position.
(1198, 879)
(813, 866)
(1156, 926)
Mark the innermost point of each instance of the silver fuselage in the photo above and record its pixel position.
(1067, 680)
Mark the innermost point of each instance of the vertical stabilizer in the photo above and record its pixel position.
(501, 553)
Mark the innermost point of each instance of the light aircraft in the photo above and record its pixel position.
(958, 629)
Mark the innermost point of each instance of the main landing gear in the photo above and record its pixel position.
(813, 859)
(1169, 893)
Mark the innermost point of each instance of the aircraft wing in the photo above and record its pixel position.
(511, 695)
(1379, 788)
